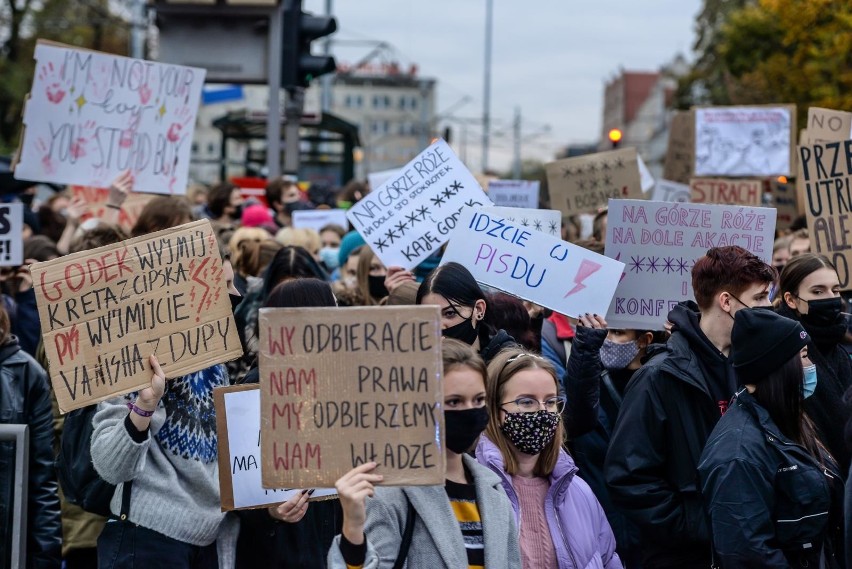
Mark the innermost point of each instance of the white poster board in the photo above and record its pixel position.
(532, 265)
(514, 193)
(412, 215)
(316, 219)
(11, 234)
(92, 115)
(645, 177)
(668, 191)
(660, 242)
(744, 141)
(376, 179)
(547, 221)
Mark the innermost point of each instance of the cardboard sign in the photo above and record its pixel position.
(103, 312)
(660, 242)
(547, 221)
(668, 191)
(514, 193)
(378, 179)
(645, 177)
(316, 219)
(680, 154)
(586, 183)
(92, 115)
(533, 266)
(745, 141)
(827, 125)
(412, 215)
(96, 200)
(826, 173)
(340, 387)
(784, 198)
(238, 440)
(726, 191)
(11, 234)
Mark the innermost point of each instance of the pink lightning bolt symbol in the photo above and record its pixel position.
(623, 273)
(587, 269)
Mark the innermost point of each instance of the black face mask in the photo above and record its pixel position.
(823, 312)
(235, 301)
(463, 427)
(378, 290)
(464, 331)
(296, 206)
(238, 212)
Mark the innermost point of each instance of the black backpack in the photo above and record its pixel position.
(81, 484)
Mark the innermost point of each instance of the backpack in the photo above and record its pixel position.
(81, 484)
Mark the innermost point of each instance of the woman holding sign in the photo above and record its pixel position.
(561, 523)
(467, 523)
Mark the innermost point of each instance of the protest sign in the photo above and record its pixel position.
(727, 191)
(96, 200)
(343, 387)
(586, 183)
(745, 141)
(668, 191)
(680, 154)
(103, 312)
(827, 125)
(533, 266)
(826, 173)
(316, 219)
(412, 215)
(660, 243)
(11, 234)
(378, 179)
(92, 115)
(784, 197)
(238, 440)
(544, 220)
(514, 193)
(646, 180)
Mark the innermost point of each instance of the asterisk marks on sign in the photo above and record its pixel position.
(456, 187)
(637, 264)
(437, 200)
(381, 244)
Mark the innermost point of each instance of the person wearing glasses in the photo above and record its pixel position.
(561, 522)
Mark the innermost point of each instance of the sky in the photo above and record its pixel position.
(551, 58)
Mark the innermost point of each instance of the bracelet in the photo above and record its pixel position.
(113, 206)
(141, 412)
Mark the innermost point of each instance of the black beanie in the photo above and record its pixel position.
(763, 341)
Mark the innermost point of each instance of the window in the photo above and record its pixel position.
(408, 102)
(381, 102)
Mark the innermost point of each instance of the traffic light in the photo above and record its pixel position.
(298, 65)
(615, 137)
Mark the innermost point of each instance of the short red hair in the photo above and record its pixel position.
(731, 269)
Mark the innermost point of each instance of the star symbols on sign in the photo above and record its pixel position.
(401, 227)
(605, 166)
(456, 187)
(619, 162)
(537, 225)
(381, 244)
(566, 172)
(552, 227)
(593, 183)
(162, 110)
(607, 180)
(411, 218)
(682, 265)
(448, 193)
(81, 101)
(581, 184)
(668, 267)
(636, 264)
(525, 222)
(437, 200)
(423, 212)
(652, 264)
(391, 235)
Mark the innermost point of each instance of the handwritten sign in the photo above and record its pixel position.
(547, 221)
(514, 193)
(826, 172)
(726, 191)
(680, 154)
(11, 234)
(103, 312)
(378, 179)
(316, 219)
(532, 265)
(668, 191)
(828, 125)
(344, 387)
(660, 242)
(586, 183)
(646, 179)
(412, 215)
(784, 198)
(238, 430)
(96, 200)
(92, 115)
(744, 141)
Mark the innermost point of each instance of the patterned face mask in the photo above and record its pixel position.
(530, 432)
(618, 356)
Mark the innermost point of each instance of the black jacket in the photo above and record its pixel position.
(666, 417)
(768, 500)
(492, 342)
(25, 399)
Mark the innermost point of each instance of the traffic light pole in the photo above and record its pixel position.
(293, 113)
(273, 113)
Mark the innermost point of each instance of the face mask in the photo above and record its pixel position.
(295, 206)
(235, 301)
(809, 382)
(377, 286)
(530, 432)
(329, 257)
(823, 312)
(238, 212)
(349, 282)
(463, 427)
(464, 331)
(618, 356)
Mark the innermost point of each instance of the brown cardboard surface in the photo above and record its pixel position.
(104, 311)
(587, 183)
(826, 176)
(680, 154)
(785, 199)
(340, 387)
(827, 125)
(730, 191)
(226, 486)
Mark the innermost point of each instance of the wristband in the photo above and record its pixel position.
(141, 412)
(113, 206)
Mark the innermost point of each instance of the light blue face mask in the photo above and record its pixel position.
(809, 383)
(328, 255)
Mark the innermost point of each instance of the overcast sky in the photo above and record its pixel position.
(550, 57)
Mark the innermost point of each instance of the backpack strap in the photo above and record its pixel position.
(613, 392)
(407, 534)
(125, 501)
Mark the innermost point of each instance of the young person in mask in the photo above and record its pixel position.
(466, 523)
(809, 292)
(464, 309)
(772, 492)
(561, 523)
(674, 401)
(371, 277)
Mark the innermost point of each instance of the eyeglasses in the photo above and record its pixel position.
(530, 405)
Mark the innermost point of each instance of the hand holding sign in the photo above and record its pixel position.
(354, 488)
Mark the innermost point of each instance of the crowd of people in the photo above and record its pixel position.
(723, 439)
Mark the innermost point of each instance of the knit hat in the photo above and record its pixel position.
(257, 216)
(763, 341)
(349, 243)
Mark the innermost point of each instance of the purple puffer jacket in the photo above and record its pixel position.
(578, 526)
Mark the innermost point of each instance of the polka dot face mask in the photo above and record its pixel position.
(530, 432)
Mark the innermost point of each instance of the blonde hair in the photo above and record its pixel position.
(243, 235)
(303, 237)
